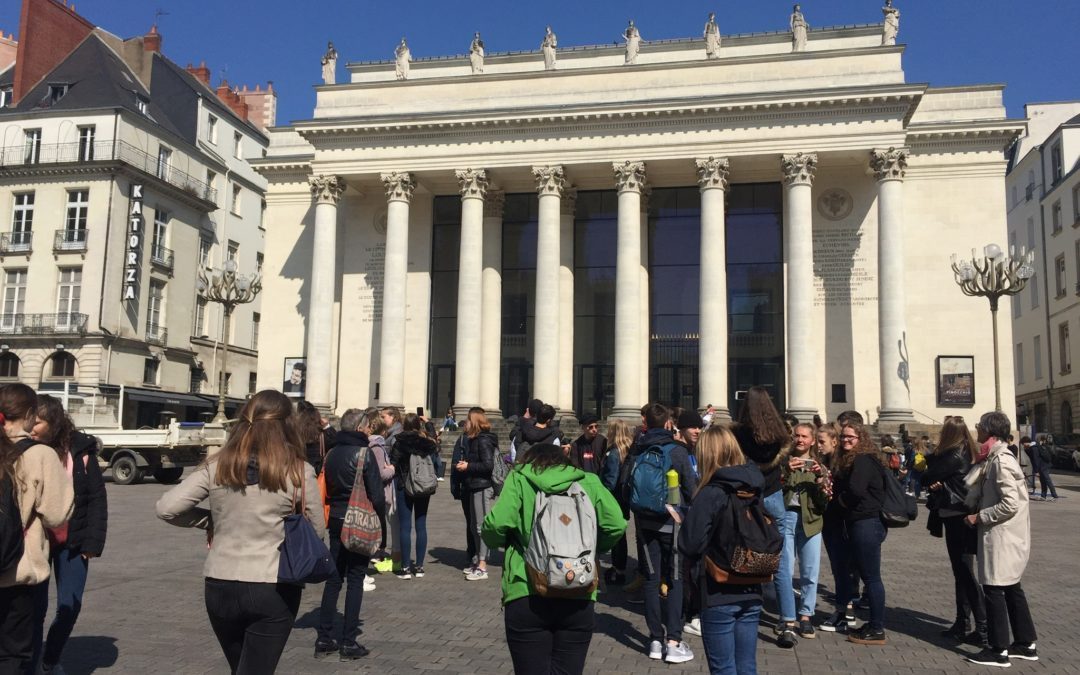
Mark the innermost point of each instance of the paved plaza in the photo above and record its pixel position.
(143, 609)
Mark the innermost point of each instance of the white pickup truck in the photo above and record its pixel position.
(132, 453)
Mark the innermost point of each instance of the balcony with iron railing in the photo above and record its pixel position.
(16, 156)
(161, 256)
(43, 324)
(156, 334)
(16, 242)
(70, 240)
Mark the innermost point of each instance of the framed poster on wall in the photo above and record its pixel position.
(956, 381)
(295, 377)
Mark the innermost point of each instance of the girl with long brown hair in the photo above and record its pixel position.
(412, 509)
(252, 484)
(476, 467)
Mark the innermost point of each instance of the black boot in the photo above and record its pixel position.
(350, 651)
(958, 631)
(325, 648)
(979, 637)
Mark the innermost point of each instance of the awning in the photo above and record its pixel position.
(167, 398)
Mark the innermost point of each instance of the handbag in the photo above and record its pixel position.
(304, 558)
(361, 532)
(897, 507)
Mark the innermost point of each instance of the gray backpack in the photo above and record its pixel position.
(421, 481)
(560, 560)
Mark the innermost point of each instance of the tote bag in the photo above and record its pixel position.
(361, 532)
(305, 559)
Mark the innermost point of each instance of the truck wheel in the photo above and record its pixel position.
(126, 472)
(168, 476)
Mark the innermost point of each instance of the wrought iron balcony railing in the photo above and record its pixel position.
(16, 242)
(70, 240)
(43, 324)
(159, 255)
(156, 334)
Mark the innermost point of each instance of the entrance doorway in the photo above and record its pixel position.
(746, 373)
(595, 389)
(516, 388)
(675, 385)
(440, 389)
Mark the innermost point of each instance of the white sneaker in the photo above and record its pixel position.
(693, 627)
(656, 650)
(476, 575)
(369, 584)
(679, 653)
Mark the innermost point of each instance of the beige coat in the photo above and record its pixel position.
(46, 499)
(248, 524)
(1003, 518)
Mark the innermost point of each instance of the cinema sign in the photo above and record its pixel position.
(134, 243)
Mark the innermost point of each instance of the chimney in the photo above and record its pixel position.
(232, 99)
(152, 40)
(202, 73)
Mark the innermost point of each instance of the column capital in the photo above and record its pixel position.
(629, 176)
(550, 180)
(399, 186)
(889, 164)
(472, 183)
(713, 173)
(326, 189)
(493, 203)
(568, 205)
(799, 169)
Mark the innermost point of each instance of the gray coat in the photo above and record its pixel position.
(248, 525)
(1004, 523)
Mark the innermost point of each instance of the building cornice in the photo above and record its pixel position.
(964, 136)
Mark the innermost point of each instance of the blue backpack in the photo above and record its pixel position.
(648, 480)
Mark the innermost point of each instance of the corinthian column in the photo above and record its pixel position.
(473, 185)
(799, 253)
(399, 189)
(550, 184)
(889, 167)
(713, 311)
(630, 181)
(643, 293)
(491, 312)
(566, 302)
(326, 191)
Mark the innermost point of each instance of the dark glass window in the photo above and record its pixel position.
(595, 231)
(446, 239)
(520, 216)
(9, 365)
(63, 365)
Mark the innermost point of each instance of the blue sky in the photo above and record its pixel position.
(1028, 45)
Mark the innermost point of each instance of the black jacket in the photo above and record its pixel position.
(588, 455)
(950, 468)
(340, 469)
(529, 435)
(410, 443)
(702, 524)
(314, 451)
(680, 462)
(480, 454)
(89, 521)
(768, 457)
(860, 491)
(458, 488)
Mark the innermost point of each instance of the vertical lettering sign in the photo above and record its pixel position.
(134, 243)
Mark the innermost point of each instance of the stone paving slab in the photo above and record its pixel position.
(143, 610)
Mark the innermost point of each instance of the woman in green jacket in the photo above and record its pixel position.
(546, 634)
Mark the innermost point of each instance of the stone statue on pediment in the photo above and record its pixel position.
(892, 23)
(476, 54)
(329, 64)
(799, 27)
(712, 37)
(633, 42)
(402, 57)
(548, 46)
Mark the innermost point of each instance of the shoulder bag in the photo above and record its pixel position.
(361, 532)
(305, 559)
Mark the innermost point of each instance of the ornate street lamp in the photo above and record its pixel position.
(992, 276)
(228, 289)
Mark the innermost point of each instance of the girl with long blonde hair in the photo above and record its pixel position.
(620, 439)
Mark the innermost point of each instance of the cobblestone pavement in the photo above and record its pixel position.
(143, 609)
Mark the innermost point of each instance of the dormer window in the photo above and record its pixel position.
(5, 97)
(56, 92)
(143, 104)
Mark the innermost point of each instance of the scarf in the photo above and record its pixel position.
(984, 449)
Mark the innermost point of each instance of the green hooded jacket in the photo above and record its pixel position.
(509, 524)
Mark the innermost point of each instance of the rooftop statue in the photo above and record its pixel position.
(476, 53)
(712, 37)
(548, 47)
(402, 56)
(892, 23)
(329, 64)
(633, 42)
(798, 30)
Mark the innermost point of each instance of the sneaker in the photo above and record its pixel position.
(404, 573)
(469, 569)
(325, 648)
(679, 653)
(369, 584)
(1050, 499)
(862, 603)
(806, 629)
(1019, 651)
(991, 657)
(636, 597)
(693, 627)
(476, 575)
(656, 650)
(867, 636)
(787, 638)
(352, 651)
(439, 478)
(836, 623)
(418, 572)
(1037, 498)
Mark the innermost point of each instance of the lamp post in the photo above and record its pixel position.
(228, 289)
(992, 276)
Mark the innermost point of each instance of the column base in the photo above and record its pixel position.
(387, 404)
(896, 415)
(630, 414)
(719, 414)
(461, 411)
(803, 414)
(493, 413)
(565, 414)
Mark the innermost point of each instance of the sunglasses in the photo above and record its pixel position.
(849, 438)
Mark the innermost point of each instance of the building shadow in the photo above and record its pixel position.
(622, 631)
(86, 653)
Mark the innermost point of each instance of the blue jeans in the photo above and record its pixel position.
(351, 569)
(69, 570)
(729, 633)
(785, 596)
(864, 539)
(412, 509)
(808, 550)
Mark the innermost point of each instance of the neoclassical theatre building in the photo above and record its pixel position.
(606, 229)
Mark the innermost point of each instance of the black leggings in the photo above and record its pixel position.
(547, 636)
(960, 541)
(252, 622)
(16, 628)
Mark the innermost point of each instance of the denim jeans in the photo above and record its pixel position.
(729, 633)
(252, 622)
(69, 570)
(785, 596)
(864, 539)
(662, 564)
(410, 510)
(351, 568)
(808, 550)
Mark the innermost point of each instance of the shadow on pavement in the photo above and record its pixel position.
(87, 653)
(622, 631)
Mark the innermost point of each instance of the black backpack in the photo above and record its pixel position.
(12, 532)
(745, 547)
(898, 508)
